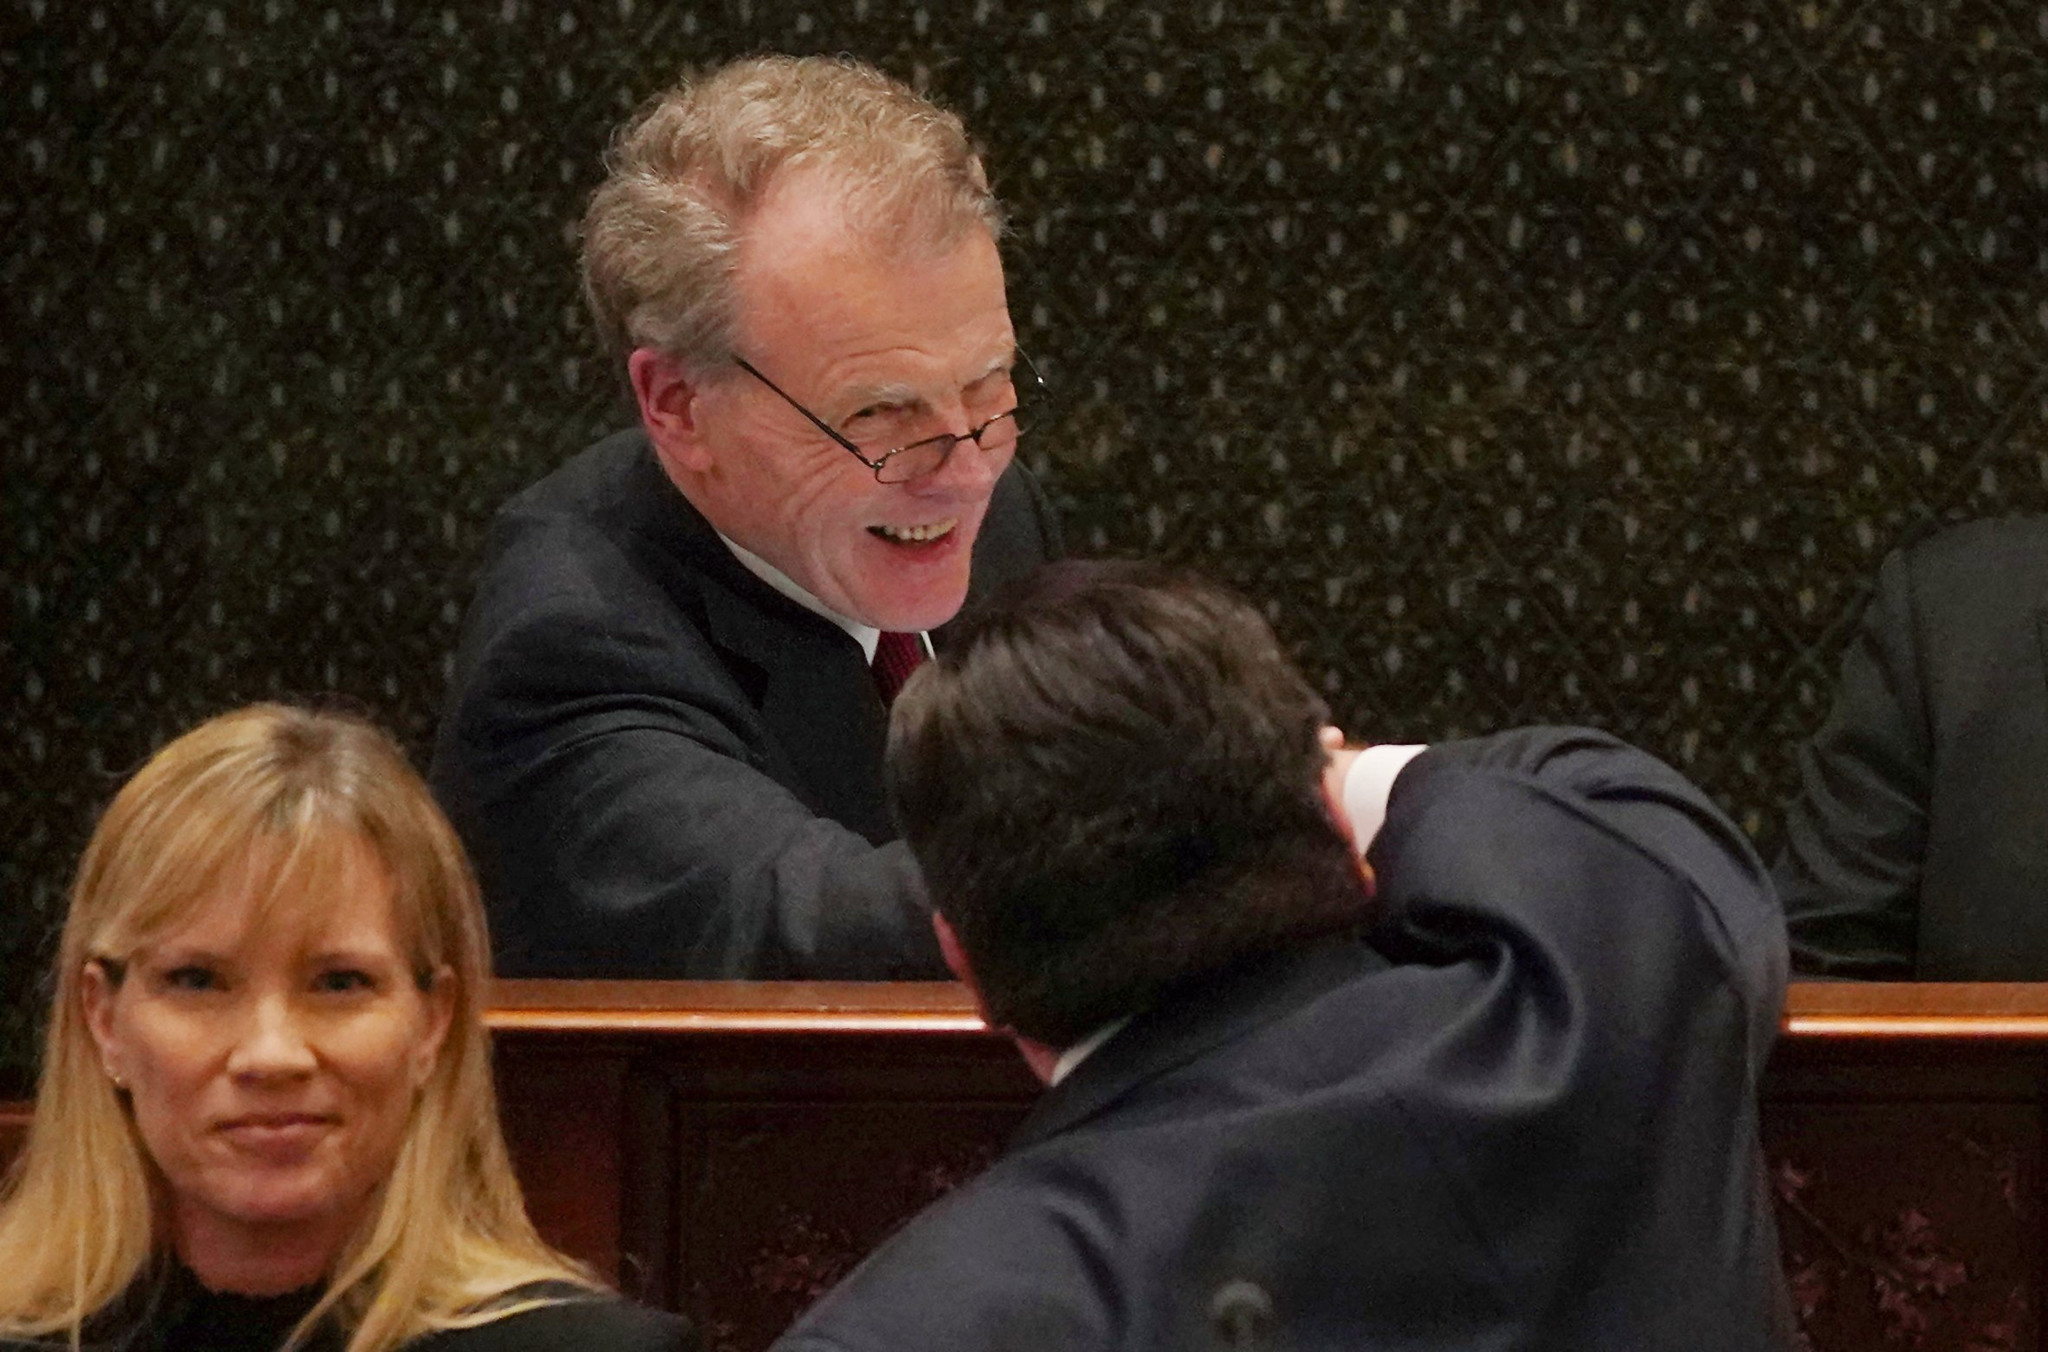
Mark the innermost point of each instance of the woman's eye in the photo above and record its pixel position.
(192, 978)
(344, 979)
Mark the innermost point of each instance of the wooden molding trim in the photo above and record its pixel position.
(732, 1007)
(2005, 1012)
(1994, 1011)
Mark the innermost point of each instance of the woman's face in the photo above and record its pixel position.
(272, 1069)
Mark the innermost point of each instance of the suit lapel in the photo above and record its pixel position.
(816, 698)
(1184, 1028)
(804, 674)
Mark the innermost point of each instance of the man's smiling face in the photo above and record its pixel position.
(889, 345)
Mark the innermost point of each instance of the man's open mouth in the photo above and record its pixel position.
(915, 535)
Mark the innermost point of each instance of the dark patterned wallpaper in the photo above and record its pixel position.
(1566, 361)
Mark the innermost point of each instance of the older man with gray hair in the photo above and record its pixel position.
(664, 739)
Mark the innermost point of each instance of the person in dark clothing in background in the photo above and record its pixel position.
(1918, 845)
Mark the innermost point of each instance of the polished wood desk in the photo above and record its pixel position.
(733, 1148)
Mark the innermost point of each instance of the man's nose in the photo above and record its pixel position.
(271, 1040)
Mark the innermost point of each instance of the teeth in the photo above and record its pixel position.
(915, 534)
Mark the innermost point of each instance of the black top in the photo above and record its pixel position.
(170, 1311)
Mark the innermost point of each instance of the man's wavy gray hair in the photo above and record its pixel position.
(662, 232)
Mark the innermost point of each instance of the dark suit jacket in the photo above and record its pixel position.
(661, 766)
(1521, 1114)
(1918, 846)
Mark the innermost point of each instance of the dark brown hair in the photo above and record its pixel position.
(1113, 783)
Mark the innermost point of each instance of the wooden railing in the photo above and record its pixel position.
(1813, 1009)
(731, 1148)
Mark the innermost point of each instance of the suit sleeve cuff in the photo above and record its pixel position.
(1368, 784)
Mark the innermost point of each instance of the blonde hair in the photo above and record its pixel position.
(285, 792)
(662, 232)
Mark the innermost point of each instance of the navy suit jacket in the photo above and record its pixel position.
(662, 767)
(1520, 1112)
(1918, 846)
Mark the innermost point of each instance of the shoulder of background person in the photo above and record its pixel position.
(2000, 550)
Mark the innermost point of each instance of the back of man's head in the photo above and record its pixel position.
(661, 234)
(1112, 780)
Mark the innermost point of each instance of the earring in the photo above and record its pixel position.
(119, 1083)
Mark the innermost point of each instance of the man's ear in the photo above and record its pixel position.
(1039, 1057)
(669, 398)
(956, 962)
(1338, 759)
(1335, 768)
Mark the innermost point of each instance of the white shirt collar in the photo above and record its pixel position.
(1082, 1050)
(864, 634)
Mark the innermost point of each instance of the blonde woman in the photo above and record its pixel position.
(265, 1118)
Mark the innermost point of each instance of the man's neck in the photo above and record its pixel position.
(864, 634)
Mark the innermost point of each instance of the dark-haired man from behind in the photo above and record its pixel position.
(1494, 1088)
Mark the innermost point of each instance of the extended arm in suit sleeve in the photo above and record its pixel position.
(623, 827)
(1854, 837)
(1596, 869)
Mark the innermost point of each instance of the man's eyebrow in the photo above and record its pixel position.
(1003, 363)
(895, 392)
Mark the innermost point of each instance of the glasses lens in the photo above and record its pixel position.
(1000, 435)
(916, 460)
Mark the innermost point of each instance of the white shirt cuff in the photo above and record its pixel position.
(1369, 782)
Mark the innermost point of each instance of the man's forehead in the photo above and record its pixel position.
(813, 291)
(811, 220)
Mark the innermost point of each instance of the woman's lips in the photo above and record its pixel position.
(280, 1135)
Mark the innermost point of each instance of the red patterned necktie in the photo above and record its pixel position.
(896, 656)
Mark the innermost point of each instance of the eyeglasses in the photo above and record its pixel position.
(901, 464)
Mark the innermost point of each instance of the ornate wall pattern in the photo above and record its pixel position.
(1551, 362)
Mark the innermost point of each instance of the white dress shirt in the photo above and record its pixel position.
(864, 634)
